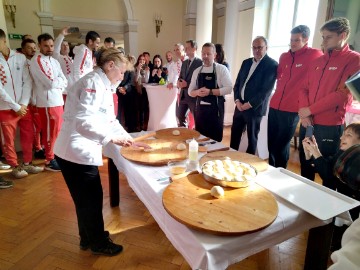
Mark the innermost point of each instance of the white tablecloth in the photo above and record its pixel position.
(202, 250)
(162, 106)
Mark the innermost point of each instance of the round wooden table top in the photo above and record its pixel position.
(185, 134)
(259, 164)
(163, 152)
(241, 210)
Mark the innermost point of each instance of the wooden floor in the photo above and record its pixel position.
(38, 230)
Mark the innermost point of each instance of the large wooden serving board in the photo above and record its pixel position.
(185, 134)
(241, 210)
(164, 151)
(255, 161)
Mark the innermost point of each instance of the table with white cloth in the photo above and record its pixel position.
(205, 251)
(162, 106)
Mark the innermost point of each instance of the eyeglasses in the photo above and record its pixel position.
(258, 48)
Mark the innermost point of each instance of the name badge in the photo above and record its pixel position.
(208, 78)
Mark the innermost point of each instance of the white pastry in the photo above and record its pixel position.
(180, 146)
(217, 192)
(176, 132)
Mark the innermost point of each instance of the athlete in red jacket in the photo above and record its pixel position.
(284, 105)
(324, 98)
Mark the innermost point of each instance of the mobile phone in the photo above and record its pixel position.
(309, 132)
(73, 30)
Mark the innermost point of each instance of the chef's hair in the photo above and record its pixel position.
(112, 54)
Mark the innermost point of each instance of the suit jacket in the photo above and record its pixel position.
(186, 74)
(259, 86)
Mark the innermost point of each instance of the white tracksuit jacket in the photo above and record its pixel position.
(15, 82)
(49, 81)
(83, 61)
(66, 62)
(89, 120)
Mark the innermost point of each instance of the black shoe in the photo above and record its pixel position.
(108, 249)
(39, 154)
(52, 166)
(85, 244)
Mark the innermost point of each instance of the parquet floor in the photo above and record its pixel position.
(38, 230)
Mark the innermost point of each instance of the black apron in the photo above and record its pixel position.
(209, 118)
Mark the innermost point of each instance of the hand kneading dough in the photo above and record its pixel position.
(176, 132)
(181, 146)
(217, 192)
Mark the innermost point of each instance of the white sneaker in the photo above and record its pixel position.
(19, 172)
(4, 166)
(31, 168)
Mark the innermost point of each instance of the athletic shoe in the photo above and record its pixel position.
(5, 184)
(108, 249)
(4, 166)
(52, 166)
(19, 172)
(39, 154)
(31, 168)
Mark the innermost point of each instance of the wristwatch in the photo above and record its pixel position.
(211, 92)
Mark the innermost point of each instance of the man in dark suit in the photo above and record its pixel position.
(252, 89)
(187, 68)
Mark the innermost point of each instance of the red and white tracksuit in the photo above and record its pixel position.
(15, 90)
(66, 63)
(83, 61)
(34, 114)
(50, 83)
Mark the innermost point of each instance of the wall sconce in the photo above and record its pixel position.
(11, 8)
(158, 23)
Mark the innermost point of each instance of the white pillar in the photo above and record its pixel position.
(3, 21)
(231, 22)
(204, 20)
(131, 38)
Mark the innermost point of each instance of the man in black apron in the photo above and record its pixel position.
(209, 84)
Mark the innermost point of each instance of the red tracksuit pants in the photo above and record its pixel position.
(51, 120)
(9, 121)
(37, 126)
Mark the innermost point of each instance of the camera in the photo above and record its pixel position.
(73, 30)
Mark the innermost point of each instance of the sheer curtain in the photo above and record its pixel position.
(285, 15)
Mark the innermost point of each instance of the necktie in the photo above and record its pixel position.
(188, 66)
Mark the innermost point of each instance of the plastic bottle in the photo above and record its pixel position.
(193, 150)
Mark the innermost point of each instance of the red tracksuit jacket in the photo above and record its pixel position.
(324, 91)
(291, 74)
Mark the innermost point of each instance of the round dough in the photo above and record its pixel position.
(180, 146)
(217, 192)
(176, 132)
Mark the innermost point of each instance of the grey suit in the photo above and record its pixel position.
(186, 102)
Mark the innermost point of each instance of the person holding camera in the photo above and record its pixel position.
(324, 98)
(157, 72)
(142, 74)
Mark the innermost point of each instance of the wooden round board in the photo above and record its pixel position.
(164, 151)
(241, 210)
(255, 161)
(185, 134)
